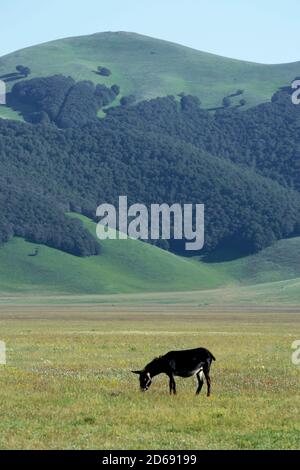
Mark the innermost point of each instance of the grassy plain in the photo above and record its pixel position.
(67, 383)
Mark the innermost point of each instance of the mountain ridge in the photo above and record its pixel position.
(150, 67)
(147, 37)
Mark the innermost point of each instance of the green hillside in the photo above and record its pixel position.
(279, 262)
(131, 266)
(124, 266)
(150, 67)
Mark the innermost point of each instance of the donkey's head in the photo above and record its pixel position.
(145, 379)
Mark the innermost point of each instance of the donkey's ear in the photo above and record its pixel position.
(136, 372)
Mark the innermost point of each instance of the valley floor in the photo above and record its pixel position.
(67, 383)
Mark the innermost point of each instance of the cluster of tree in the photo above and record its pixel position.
(104, 96)
(188, 101)
(61, 100)
(46, 94)
(40, 219)
(227, 100)
(82, 104)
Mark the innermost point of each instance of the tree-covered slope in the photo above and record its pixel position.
(52, 170)
(243, 165)
(263, 138)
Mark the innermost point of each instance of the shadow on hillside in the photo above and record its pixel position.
(215, 109)
(11, 77)
(228, 250)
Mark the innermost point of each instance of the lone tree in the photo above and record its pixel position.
(104, 71)
(115, 89)
(242, 102)
(25, 71)
(226, 102)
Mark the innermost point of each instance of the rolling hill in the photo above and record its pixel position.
(173, 144)
(130, 266)
(148, 67)
(123, 266)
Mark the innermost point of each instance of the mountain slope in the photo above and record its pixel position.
(131, 266)
(78, 169)
(149, 67)
(264, 137)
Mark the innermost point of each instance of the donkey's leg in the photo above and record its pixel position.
(200, 382)
(174, 387)
(172, 384)
(206, 373)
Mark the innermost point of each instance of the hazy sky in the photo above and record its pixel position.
(257, 30)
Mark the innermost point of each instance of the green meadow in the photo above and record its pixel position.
(74, 329)
(67, 383)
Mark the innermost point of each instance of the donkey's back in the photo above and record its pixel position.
(188, 362)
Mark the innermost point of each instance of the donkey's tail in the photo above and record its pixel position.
(212, 356)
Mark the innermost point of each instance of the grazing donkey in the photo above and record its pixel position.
(178, 363)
